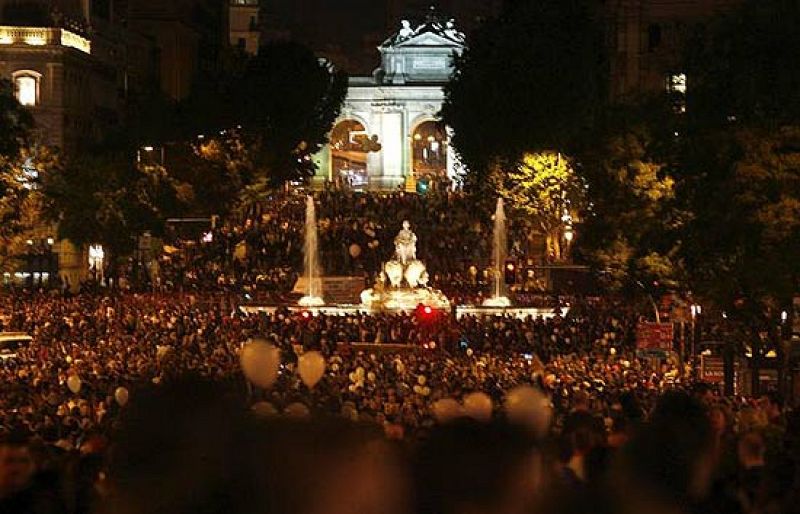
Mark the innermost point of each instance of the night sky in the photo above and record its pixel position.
(347, 31)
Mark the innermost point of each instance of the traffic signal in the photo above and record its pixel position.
(426, 314)
(511, 272)
(423, 185)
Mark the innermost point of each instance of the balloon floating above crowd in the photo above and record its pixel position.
(260, 363)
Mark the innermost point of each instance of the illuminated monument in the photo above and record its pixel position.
(388, 130)
(403, 283)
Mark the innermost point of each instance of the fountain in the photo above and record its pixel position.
(312, 272)
(499, 255)
(402, 285)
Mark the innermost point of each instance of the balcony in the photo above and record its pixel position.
(37, 36)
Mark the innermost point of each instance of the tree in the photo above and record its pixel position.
(630, 162)
(741, 245)
(281, 104)
(15, 122)
(530, 80)
(21, 203)
(288, 101)
(213, 171)
(546, 188)
(746, 229)
(104, 197)
(741, 166)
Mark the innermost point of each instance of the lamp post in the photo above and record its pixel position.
(697, 311)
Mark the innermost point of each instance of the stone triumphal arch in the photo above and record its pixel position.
(388, 131)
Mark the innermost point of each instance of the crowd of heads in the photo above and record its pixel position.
(383, 377)
(143, 403)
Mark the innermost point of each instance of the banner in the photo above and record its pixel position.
(654, 336)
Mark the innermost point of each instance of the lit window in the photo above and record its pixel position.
(26, 86)
(676, 88)
(676, 83)
(96, 256)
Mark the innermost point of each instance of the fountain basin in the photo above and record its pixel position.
(311, 301)
(403, 299)
(497, 301)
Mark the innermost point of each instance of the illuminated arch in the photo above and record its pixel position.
(429, 146)
(350, 144)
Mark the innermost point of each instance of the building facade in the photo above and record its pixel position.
(646, 41)
(388, 133)
(70, 94)
(244, 30)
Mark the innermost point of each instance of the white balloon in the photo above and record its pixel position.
(478, 406)
(311, 366)
(529, 407)
(74, 384)
(264, 409)
(121, 396)
(260, 361)
(446, 409)
(297, 410)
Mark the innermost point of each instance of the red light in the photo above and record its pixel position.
(427, 310)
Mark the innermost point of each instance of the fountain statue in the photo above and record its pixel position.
(312, 272)
(403, 282)
(499, 244)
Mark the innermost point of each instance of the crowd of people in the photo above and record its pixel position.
(131, 402)
(385, 372)
(262, 249)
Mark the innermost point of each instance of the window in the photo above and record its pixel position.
(26, 87)
(676, 83)
(653, 37)
(676, 88)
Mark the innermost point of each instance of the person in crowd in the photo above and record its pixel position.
(472, 467)
(21, 490)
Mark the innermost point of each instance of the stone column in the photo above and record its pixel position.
(393, 141)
